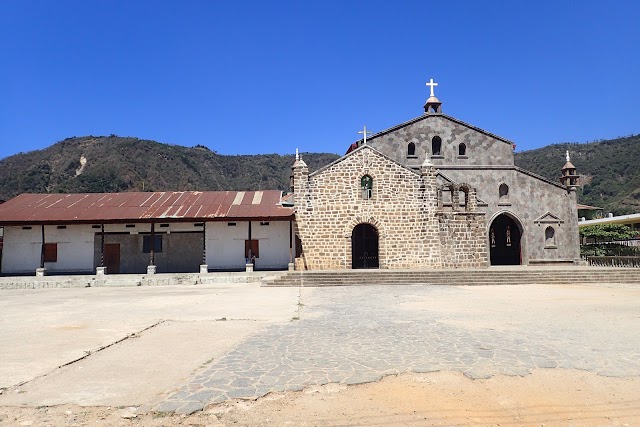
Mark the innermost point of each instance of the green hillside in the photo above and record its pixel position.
(108, 164)
(609, 169)
(610, 174)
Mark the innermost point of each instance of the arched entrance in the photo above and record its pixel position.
(364, 246)
(504, 241)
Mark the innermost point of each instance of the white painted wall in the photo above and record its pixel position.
(22, 249)
(146, 228)
(273, 242)
(225, 244)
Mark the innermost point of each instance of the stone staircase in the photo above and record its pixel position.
(462, 277)
(131, 280)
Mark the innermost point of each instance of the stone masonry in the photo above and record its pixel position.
(488, 162)
(413, 232)
(425, 214)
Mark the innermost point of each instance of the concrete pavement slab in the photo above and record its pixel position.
(137, 370)
(42, 329)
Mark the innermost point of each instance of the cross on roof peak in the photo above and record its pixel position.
(365, 132)
(431, 85)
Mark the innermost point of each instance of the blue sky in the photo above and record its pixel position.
(267, 77)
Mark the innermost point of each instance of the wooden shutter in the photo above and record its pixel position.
(255, 249)
(50, 252)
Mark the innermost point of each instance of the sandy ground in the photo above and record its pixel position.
(548, 397)
(97, 357)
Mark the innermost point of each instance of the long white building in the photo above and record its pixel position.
(128, 232)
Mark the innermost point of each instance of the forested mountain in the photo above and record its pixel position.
(112, 163)
(609, 169)
(610, 174)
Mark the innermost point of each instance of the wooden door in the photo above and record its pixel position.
(112, 257)
(364, 246)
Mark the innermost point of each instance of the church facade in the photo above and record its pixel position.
(433, 192)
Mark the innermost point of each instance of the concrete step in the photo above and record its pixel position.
(132, 280)
(459, 277)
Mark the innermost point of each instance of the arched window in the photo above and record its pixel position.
(549, 237)
(465, 191)
(366, 185)
(436, 146)
(411, 149)
(503, 193)
(462, 150)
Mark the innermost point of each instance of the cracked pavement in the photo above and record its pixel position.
(354, 335)
(279, 339)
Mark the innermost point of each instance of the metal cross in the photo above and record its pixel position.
(431, 84)
(365, 133)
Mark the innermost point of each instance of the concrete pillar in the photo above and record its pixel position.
(152, 251)
(42, 252)
(41, 272)
(204, 268)
(101, 271)
(249, 267)
(151, 269)
(102, 246)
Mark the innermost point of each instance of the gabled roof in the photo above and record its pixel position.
(424, 117)
(362, 147)
(548, 218)
(167, 206)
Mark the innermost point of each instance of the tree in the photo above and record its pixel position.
(607, 232)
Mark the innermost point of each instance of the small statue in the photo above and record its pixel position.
(508, 235)
(493, 238)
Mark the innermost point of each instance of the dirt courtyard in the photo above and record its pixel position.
(228, 355)
(547, 397)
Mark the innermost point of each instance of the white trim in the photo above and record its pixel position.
(622, 219)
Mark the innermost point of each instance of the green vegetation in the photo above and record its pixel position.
(609, 169)
(610, 174)
(607, 232)
(129, 164)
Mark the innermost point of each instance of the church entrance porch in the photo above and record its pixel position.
(504, 241)
(364, 246)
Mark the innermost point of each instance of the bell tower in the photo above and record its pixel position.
(569, 176)
(433, 105)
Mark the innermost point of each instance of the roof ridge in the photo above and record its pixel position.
(426, 116)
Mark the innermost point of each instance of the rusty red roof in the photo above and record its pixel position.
(142, 207)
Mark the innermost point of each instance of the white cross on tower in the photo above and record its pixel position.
(431, 84)
(365, 133)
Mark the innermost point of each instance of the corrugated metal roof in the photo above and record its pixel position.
(587, 207)
(142, 207)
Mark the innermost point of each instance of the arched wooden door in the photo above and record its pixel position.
(504, 241)
(364, 246)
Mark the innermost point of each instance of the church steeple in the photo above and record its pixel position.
(569, 176)
(433, 105)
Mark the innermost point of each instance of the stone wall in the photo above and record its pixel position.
(482, 148)
(462, 236)
(461, 227)
(329, 204)
(529, 199)
(412, 231)
(488, 163)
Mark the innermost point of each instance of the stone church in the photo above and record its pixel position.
(432, 192)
